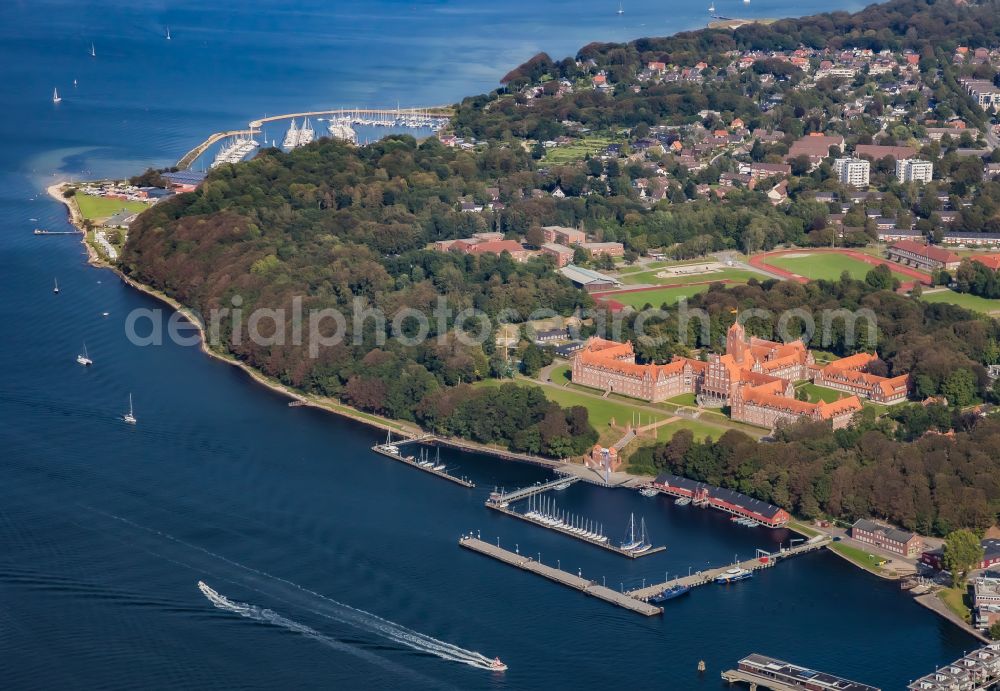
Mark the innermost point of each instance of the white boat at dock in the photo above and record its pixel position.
(649, 491)
(682, 501)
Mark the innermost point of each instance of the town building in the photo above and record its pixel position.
(876, 152)
(922, 256)
(611, 249)
(983, 92)
(886, 538)
(971, 239)
(990, 261)
(611, 367)
(815, 147)
(852, 171)
(914, 170)
(475, 246)
(564, 236)
(759, 171)
(562, 254)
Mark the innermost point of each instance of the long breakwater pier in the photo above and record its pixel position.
(391, 449)
(254, 126)
(763, 560)
(559, 576)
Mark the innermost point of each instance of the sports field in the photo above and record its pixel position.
(825, 265)
(656, 297)
(735, 275)
(972, 302)
(97, 208)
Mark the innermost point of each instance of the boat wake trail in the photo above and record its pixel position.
(299, 597)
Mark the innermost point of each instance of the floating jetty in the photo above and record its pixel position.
(563, 577)
(545, 516)
(763, 560)
(761, 671)
(42, 231)
(502, 498)
(390, 449)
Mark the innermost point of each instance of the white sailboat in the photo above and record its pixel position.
(129, 417)
(85, 358)
(631, 542)
(711, 8)
(93, 51)
(621, 10)
(168, 33)
(55, 286)
(56, 98)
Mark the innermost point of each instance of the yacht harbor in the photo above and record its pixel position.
(424, 462)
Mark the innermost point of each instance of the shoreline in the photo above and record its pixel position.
(372, 420)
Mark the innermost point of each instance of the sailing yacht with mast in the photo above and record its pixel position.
(621, 10)
(85, 358)
(93, 51)
(168, 33)
(56, 98)
(55, 286)
(129, 417)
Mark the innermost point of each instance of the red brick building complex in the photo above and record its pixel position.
(755, 377)
(893, 540)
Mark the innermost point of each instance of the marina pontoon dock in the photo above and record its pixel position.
(565, 578)
(391, 450)
(761, 671)
(763, 560)
(501, 498)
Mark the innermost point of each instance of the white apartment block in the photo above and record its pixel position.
(852, 171)
(914, 170)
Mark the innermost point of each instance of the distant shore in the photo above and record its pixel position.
(737, 23)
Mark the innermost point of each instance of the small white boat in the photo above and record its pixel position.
(498, 666)
(104, 314)
(56, 98)
(84, 359)
(649, 491)
(562, 485)
(439, 467)
(711, 8)
(621, 10)
(682, 501)
(93, 51)
(55, 286)
(129, 417)
(168, 33)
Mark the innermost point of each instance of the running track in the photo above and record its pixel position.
(760, 261)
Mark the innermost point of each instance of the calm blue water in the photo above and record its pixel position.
(105, 530)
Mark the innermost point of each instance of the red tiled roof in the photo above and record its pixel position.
(924, 250)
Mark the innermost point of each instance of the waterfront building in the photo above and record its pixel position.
(611, 367)
(922, 256)
(852, 171)
(763, 671)
(986, 600)
(914, 170)
(726, 500)
(890, 539)
(991, 555)
(979, 669)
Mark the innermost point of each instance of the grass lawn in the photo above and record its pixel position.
(859, 556)
(820, 393)
(737, 275)
(803, 529)
(94, 208)
(699, 429)
(561, 374)
(972, 302)
(683, 399)
(955, 599)
(657, 296)
(578, 150)
(826, 265)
